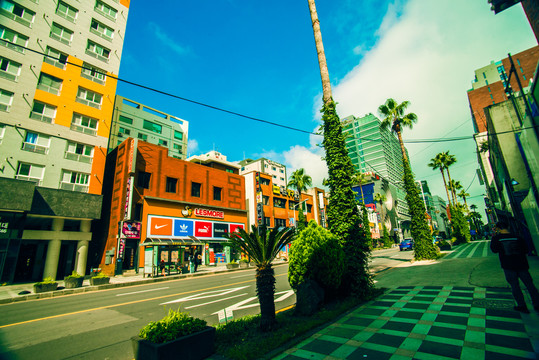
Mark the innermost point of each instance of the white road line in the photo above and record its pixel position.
(485, 249)
(142, 291)
(211, 302)
(235, 277)
(475, 246)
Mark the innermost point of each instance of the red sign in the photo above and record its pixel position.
(203, 229)
(235, 227)
(161, 226)
(131, 230)
(210, 213)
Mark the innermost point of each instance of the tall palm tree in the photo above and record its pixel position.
(394, 117)
(300, 181)
(324, 72)
(380, 199)
(463, 195)
(438, 163)
(262, 247)
(455, 186)
(449, 160)
(360, 179)
(473, 207)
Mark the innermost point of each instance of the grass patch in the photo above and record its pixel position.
(242, 339)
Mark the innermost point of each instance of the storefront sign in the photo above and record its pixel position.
(131, 229)
(203, 229)
(183, 227)
(121, 248)
(127, 196)
(220, 230)
(216, 214)
(168, 227)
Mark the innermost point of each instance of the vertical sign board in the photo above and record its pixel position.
(148, 260)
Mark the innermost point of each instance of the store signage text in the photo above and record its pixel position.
(216, 214)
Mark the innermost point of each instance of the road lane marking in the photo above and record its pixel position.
(235, 277)
(214, 301)
(206, 295)
(125, 304)
(143, 291)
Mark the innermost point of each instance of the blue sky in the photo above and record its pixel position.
(259, 59)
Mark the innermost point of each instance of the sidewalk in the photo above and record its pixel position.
(448, 309)
(22, 292)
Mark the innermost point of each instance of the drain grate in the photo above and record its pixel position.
(494, 304)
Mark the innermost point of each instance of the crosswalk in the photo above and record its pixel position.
(474, 249)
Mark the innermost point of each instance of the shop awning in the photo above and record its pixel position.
(191, 240)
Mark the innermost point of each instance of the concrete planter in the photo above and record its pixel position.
(232, 266)
(244, 264)
(196, 346)
(99, 280)
(40, 288)
(73, 282)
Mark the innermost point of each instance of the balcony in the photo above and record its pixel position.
(60, 39)
(41, 117)
(13, 46)
(78, 157)
(36, 181)
(53, 62)
(92, 78)
(74, 187)
(16, 18)
(83, 129)
(8, 76)
(88, 103)
(97, 56)
(38, 149)
(48, 89)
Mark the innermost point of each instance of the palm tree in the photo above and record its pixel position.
(360, 179)
(394, 117)
(300, 181)
(437, 162)
(463, 195)
(455, 186)
(473, 207)
(324, 72)
(448, 161)
(263, 246)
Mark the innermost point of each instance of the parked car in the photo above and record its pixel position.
(406, 244)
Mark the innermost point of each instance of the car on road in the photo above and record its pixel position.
(406, 244)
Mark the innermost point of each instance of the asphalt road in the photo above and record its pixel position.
(99, 325)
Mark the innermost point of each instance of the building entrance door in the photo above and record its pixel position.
(25, 262)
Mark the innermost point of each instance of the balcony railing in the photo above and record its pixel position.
(9, 76)
(35, 180)
(48, 89)
(88, 102)
(53, 62)
(78, 157)
(93, 78)
(74, 187)
(84, 129)
(38, 149)
(13, 46)
(40, 117)
(16, 18)
(60, 39)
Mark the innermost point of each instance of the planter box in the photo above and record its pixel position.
(196, 346)
(244, 264)
(99, 280)
(252, 263)
(232, 266)
(73, 282)
(45, 287)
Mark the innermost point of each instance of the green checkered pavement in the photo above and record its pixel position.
(429, 322)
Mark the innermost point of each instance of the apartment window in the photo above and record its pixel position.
(98, 51)
(126, 120)
(6, 98)
(92, 73)
(195, 189)
(84, 124)
(55, 58)
(309, 208)
(292, 205)
(142, 136)
(2, 131)
(280, 223)
(17, 12)
(37, 143)
(229, 171)
(279, 203)
(217, 193)
(178, 135)
(9, 69)
(156, 128)
(171, 185)
(67, 11)
(143, 179)
(75, 181)
(265, 199)
(178, 148)
(102, 30)
(264, 181)
(43, 112)
(14, 38)
(125, 131)
(163, 142)
(90, 98)
(62, 34)
(30, 172)
(79, 152)
(105, 10)
(49, 84)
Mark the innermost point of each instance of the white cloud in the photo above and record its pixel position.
(167, 40)
(309, 159)
(192, 147)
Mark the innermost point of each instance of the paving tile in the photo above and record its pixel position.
(505, 325)
(321, 346)
(436, 348)
(409, 314)
(364, 353)
(456, 309)
(503, 313)
(387, 340)
(383, 303)
(341, 332)
(447, 332)
(412, 305)
(449, 319)
(358, 321)
(399, 326)
(511, 342)
(423, 298)
(459, 301)
(371, 311)
(475, 337)
(463, 288)
(492, 355)
(461, 294)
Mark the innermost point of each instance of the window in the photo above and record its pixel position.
(195, 189)
(79, 152)
(55, 58)
(92, 73)
(49, 84)
(6, 98)
(60, 33)
(178, 135)
(97, 51)
(143, 179)
(280, 223)
(309, 208)
(30, 172)
(279, 203)
(37, 143)
(2, 132)
(75, 181)
(84, 124)
(264, 181)
(102, 30)
(163, 142)
(126, 120)
(125, 131)
(43, 112)
(90, 98)
(142, 136)
(217, 191)
(171, 185)
(105, 10)
(265, 199)
(17, 12)
(178, 147)
(148, 125)
(229, 171)
(14, 38)
(292, 205)
(67, 11)
(9, 69)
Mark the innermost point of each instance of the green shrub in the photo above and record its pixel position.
(317, 255)
(47, 280)
(176, 324)
(74, 275)
(101, 275)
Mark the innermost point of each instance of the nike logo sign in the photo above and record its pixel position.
(157, 227)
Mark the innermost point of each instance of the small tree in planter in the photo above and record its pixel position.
(48, 284)
(99, 279)
(176, 336)
(232, 265)
(74, 280)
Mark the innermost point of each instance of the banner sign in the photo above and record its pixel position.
(131, 229)
(170, 227)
